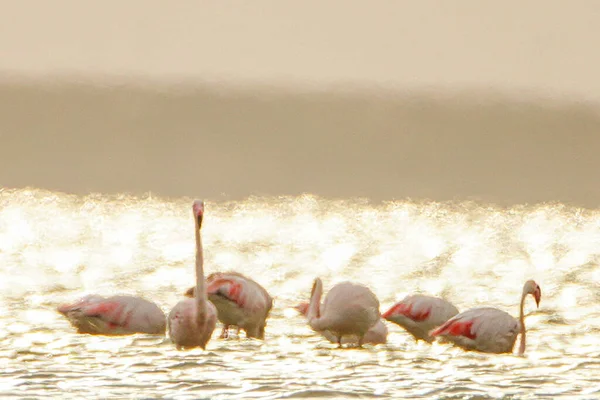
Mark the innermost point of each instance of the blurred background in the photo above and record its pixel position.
(497, 102)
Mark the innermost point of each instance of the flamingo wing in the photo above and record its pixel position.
(484, 329)
(456, 327)
(231, 289)
(95, 307)
(112, 312)
(416, 312)
(115, 315)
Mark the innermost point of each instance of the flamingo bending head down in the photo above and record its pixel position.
(116, 315)
(240, 302)
(419, 314)
(349, 309)
(377, 334)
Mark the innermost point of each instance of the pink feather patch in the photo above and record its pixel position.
(229, 288)
(407, 311)
(456, 328)
(101, 308)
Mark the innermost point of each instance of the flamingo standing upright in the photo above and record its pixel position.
(193, 320)
(377, 334)
(116, 315)
(419, 314)
(240, 302)
(489, 329)
(348, 309)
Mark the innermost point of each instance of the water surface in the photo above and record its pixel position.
(56, 247)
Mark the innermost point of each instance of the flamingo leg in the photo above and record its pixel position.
(237, 331)
(360, 341)
(225, 332)
(339, 340)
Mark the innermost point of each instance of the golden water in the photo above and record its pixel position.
(56, 247)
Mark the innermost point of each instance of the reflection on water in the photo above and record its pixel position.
(56, 247)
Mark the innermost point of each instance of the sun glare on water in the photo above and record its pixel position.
(468, 253)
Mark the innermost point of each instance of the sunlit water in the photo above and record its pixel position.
(56, 247)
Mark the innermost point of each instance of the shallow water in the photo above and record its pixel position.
(56, 247)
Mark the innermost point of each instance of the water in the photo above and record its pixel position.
(56, 247)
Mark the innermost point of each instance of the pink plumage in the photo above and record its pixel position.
(240, 302)
(377, 334)
(489, 329)
(192, 320)
(116, 315)
(349, 309)
(419, 314)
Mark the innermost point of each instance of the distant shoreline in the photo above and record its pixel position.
(233, 142)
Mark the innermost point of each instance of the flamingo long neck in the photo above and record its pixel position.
(201, 297)
(522, 323)
(314, 314)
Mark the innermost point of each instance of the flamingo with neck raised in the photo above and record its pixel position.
(116, 315)
(489, 329)
(193, 320)
(419, 314)
(349, 309)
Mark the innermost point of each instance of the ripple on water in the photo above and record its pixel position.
(470, 253)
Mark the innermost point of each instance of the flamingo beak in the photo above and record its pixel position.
(538, 296)
(198, 208)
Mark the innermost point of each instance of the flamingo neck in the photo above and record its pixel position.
(314, 314)
(201, 297)
(522, 323)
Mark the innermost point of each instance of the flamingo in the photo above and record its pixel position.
(419, 314)
(349, 309)
(193, 320)
(240, 302)
(489, 329)
(116, 315)
(377, 334)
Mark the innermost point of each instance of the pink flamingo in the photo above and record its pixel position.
(419, 314)
(193, 320)
(116, 315)
(377, 334)
(240, 302)
(488, 329)
(349, 309)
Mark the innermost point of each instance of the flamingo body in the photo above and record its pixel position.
(349, 309)
(377, 334)
(240, 301)
(419, 314)
(116, 315)
(484, 329)
(488, 329)
(186, 330)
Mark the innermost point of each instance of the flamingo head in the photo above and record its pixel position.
(191, 292)
(302, 308)
(533, 289)
(198, 209)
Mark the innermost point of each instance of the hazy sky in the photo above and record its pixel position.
(547, 46)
